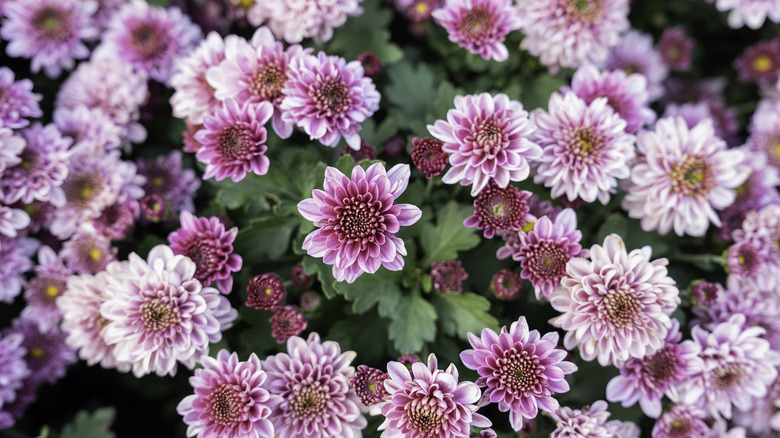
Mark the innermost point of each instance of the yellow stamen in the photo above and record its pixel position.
(762, 64)
(52, 291)
(94, 254)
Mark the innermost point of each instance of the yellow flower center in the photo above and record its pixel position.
(762, 63)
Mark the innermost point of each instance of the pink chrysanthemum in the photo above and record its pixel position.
(585, 148)
(87, 252)
(506, 284)
(498, 210)
(193, 97)
(448, 276)
(635, 54)
(233, 140)
(369, 385)
(479, 26)
(428, 156)
(229, 399)
(487, 137)
(429, 402)
(286, 322)
(42, 291)
(682, 421)
(588, 422)
(116, 220)
(149, 38)
(210, 246)
(626, 94)
(357, 220)
(51, 33)
(293, 21)
(617, 304)
(684, 175)
(17, 101)
(765, 130)
(266, 291)
(160, 315)
(750, 13)
(544, 251)
(312, 379)
(675, 48)
(759, 62)
(167, 176)
(761, 229)
(92, 130)
(569, 33)
(520, 369)
(328, 98)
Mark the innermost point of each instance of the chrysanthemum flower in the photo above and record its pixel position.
(588, 422)
(626, 94)
(193, 97)
(763, 417)
(429, 402)
(761, 228)
(17, 101)
(160, 315)
(520, 369)
(293, 21)
(750, 13)
(635, 54)
(682, 421)
(51, 33)
(498, 210)
(357, 220)
(765, 130)
(448, 276)
(233, 140)
(206, 242)
(743, 260)
(87, 252)
(313, 380)
(371, 64)
(544, 251)
(506, 284)
(287, 321)
(42, 291)
(229, 399)
(428, 156)
(759, 62)
(704, 293)
(13, 367)
(684, 175)
(328, 98)
(149, 38)
(617, 305)
(479, 26)
(569, 33)
(92, 130)
(155, 208)
(675, 48)
(166, 176)
(15, 259)
(487, 137)
(585, 148)
(369, 385)
(12, 220)
(266, 291)
(47, 354)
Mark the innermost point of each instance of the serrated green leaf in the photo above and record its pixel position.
(370, 289)
(461, 313)
(411, 89)
(252, 188)
(91, 425)
(445, 98)
(443, 240)
(413, 323)
(323, 272)
(361, 333)
(265, 238)
(536, 94)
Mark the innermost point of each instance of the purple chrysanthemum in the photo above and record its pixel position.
(765, 130)
(479, 26)
(585, 148)
(357, 220)
(684, 175)
(160, 315)
(116, 220)
(233, 140)
(310, 301)
(617, 304)
(299, 276)
(286, 322)
(369, 385)
(166, 176)
(635, 54)
(149, 38)
(759, 62)
(428, 156)
(544, 251)
(15, 259)
(743, 259)
(682, 421)
(92, 130)
(87, 252)
(520, 369)
(366, 152)
(11, 148)
(750, 13)
(210, 246)
(17, 101)
(448, 276)
(42, 291)
(293, 21)
(429, 402)
(47, 354)
(12, 220)
(487, 137)
(704, 293)
(498, 210)
(328, 98)
(193, 97)
(588, 422)
(266, 291)
(13, 367)
(51, 33)
(506, 284)
(761, 229)
(229, 399)
(371, 64)
(763, 418)
(313, 380)
(570, 33)
(675, 48)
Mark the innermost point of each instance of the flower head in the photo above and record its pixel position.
(635, 54)
(294, 21)
(266, 291)
(287, 321)
(675, 48)
(369, 385)
(498, 210)
(704, 293)
(750, 13)
(357, 220)
(448, 276)
(588, 422)
(42, 291)
(506, 284)
(371, 64)
(428, 156)
(682, 421)
(193, 96)
(166, 176)
(47, 354)
(759, 62)
(17, 101)
(479, 26)
(87, 252)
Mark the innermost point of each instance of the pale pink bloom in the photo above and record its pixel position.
(193, 96)
(294, 20)
(750, 13)
(479, 26)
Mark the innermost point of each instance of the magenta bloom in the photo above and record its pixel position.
(520, 369)
(617, 305)
(429, 402)
(229, 399)
(369, 385)
(675, 48)
(286, 322)
(328, 98)
(17, 101)
(448, 276)
(498, 210)
(266, 291)
(206, 242)
(428, 156)
(479, 26)
(506, 284)
(312, 379)
(357, 220)
(487, 137)
(759, 62)
(682, 421)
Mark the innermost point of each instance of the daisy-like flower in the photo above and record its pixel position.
(750, 13)
(759, 62)
(15, 259)
(17, 101)
(428, 156)
(328, 98)
(210, 246)
(166, 176)
(357, 220)
(51, 33)
(506, 284)
(617, 304)
(585, 148)
(675, 48)
(13, 367)
(520, 369)
(42, 291)
(498, 210)
(448, 276)
(682, 421)
(626, 94)
(160, 315)
(193, 97)
(487, 137)
(312, 379)
(287, 321)
(761, 230)
(229, 400)
(743, 260)
(570, 33)
(429, 402)
(149, 38)
(233, 140)
(544, 251)
(293, 21)
(47, 354)
(588, 422)
(684, 175)
(92, 130)
(479, 26)
(87, 251)
(635, 54)
(266, 291)
(369, 385)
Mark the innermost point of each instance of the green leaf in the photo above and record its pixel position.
(369, 289)
(411, 89)
(632, 234)
(265, 238)
(414, 322)
(445, 98)
(252, 188)
(360, 333)
(443, 240)
(323, 272)
(462, 313)
(536, 94)
(94, 425)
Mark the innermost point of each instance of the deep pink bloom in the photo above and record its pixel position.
(287, 321)
(206, 242)
(448, 276)
(229, 399)
(675, 48)
(498, 210)
(266, 291)
(520, 369)
(429, 402)
(299, 276)
(17, 101)
(704, 293)
(487, 137)
(506, 284)
(357, 220)
(369, 385)
(759, 62)
(371, 64)
(682, 421)
(428, 156)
